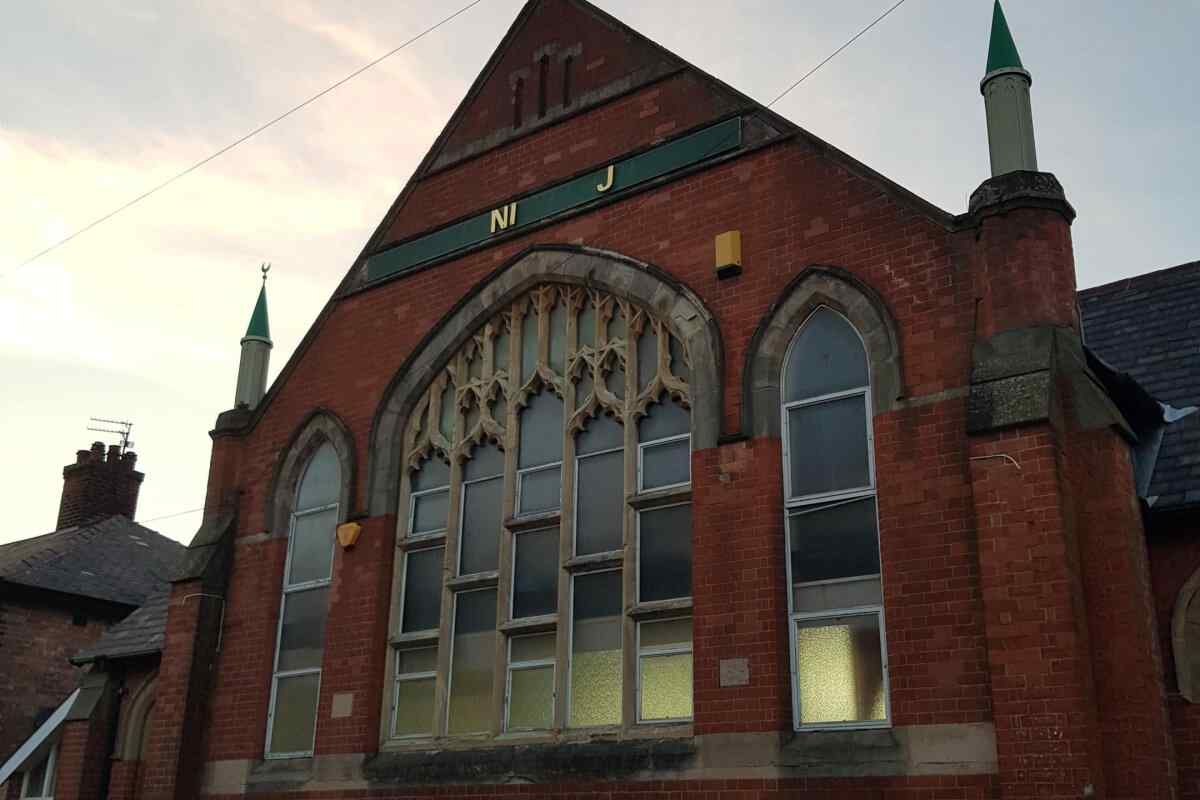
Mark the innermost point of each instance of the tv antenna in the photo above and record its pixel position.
(119, 427)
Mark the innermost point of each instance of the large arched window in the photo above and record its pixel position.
(300, 643)
(545, 578)
(835, 598)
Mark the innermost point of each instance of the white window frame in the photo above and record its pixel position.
(571, 656)
(641, 475)
(404, 589)
(450, 667)
(512, 578)
(521, 473)
(289, 589)
(404, 677)
(658, 651)
(50, 777)
(462, 521)
(637, 567)
(514, 666)
(828, 499)
(575, 492)
(413, 497)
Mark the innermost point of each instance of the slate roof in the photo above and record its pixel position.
(141, 633)
(1149, 327)
(110, 558)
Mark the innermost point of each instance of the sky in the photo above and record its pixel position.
(140, 318)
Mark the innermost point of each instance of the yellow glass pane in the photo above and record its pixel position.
(839, 670)
(595, 688)
(666, 687)
(531, 699)
(414, 708)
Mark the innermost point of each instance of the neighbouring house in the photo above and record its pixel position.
(654, 448)
(62, 591)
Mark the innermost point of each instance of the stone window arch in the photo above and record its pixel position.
(320, 427)
(135, 731)
(311, 496)
(544, 514)
(823, 362)
(842, 292)
(1185, 639)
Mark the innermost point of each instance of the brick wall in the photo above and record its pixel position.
(1174, 555)
(986, 599)
(36, 640)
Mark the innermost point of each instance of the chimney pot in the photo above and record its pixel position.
(94, 487)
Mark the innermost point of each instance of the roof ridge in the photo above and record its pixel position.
(1125, 283)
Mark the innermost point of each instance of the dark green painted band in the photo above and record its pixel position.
(627, 173)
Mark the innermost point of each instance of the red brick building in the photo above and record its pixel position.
(61, 591)
(653, 447)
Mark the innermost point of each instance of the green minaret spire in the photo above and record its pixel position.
(256, 353)
(259, 327)
(1002, 50)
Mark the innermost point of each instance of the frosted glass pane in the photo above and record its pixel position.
(663, 419)
(839, 670)
(679, 367)
(667, 464)
(295, 714)
(541, 431)
(302, 637)
(596, 650)
(600, 503)
(540, 490)
(482, 511)
(529, 345)
(414, 707)
(587, 325)
(647, 350)
(668, 633)
(423, 590)
(558, 338)
(485, 462)
(843, 594)
(474, 662)
(429, 512)
(834, 542)
(414, 661)
(535, 576)
(666, 687)
(321, 484)
(665, 553)
(616, 324)
(312, 546)
(531, 699)
(827, 357)
(433, 473)
(602, 433)
(532, 648)
(828, 446)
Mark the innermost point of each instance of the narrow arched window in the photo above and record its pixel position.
(517, 102)
(545, 581)
(300, 642)
(835, 598)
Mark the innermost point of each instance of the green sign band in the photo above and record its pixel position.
(601, 183)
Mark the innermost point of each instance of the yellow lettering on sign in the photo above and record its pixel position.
(503, 217)
(608, 180)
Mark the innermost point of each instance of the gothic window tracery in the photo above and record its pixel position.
(547, 467)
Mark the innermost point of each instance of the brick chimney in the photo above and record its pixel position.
(99, 485)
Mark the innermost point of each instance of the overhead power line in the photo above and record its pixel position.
(248, 136)
(834, 54)
(803, 77)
